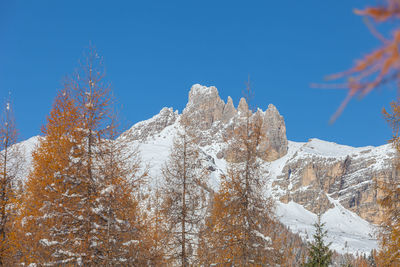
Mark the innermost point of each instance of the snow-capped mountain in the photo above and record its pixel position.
(303, 178)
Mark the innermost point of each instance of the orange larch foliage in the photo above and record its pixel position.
(239, 229)
(52, 211)
(122, 221)
(80, 205)
(10, 160)
(379, 67)
(389, 255)
(157, 237)
(184, 196)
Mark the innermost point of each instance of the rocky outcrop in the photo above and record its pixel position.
(243, 107)
(348, 176)
(275, 131)
(315, 175)
(215, 119)
(229, 111)
(204, 106)
(151, 127)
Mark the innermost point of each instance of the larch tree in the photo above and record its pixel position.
(362, 261)
(80, 204)
(157, 236)
(378, 68)
(291, 246)
(10, 167)
(52, 214)
(121, 226)
(390, 202)
(381, 67)
(184, 195)
(241, 223)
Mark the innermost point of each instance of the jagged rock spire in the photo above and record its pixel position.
(243, 107)
(229, 110)
(209, 112)
(204, 105)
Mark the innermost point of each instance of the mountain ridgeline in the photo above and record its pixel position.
(312, 173)
(303, 178)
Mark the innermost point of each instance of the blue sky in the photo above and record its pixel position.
(155, 50)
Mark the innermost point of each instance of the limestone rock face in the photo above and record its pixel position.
(144, 129)
(275, 131)
(215, 119)
(204, 106)
(229, 111)
(243, 107)
(315, 174)
(317, 179)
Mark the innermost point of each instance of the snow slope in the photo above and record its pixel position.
(346, 230)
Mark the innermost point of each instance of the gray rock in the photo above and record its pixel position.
(144, 129)
(215, 121)
(308, 179)
(204, 106)
(229, 111)
(275, 144)
(243, 107)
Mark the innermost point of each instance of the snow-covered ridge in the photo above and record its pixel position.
(25, 148)
(301, 175)
(153, 126)
(347, 232)
(331, 149)
(341, 222)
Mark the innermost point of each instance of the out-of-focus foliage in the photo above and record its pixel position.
(379, 67)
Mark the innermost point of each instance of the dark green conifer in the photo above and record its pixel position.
(319, 254)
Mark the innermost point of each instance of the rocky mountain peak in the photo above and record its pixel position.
(303, 178)
(215, 117)
(199, 93)
(229, 110)
(144, 129)
(204, 105)
(243, 107)
(275, 130)
(272, 109)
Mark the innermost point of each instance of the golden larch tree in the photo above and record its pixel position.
(80, 206)
(10, 168)
(240, 227)
(184, 196)
(381, 67)
(52, 213)
(155, 243)
(390, 202)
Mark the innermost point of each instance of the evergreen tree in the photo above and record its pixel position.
(371, 258)
(319, 254)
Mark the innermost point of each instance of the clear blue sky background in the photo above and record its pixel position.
(155, 50)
